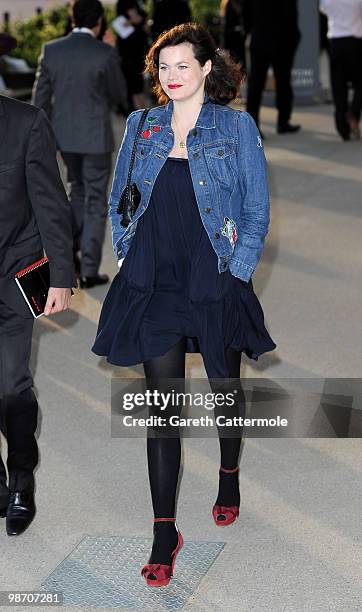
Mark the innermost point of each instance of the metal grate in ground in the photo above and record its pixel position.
(104, 572)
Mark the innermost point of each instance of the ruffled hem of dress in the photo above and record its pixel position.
(235, 321)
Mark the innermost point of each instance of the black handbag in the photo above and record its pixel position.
(131, 197)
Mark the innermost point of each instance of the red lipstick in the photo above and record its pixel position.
(174, 86)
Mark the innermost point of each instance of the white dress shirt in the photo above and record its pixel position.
(344, 17)
(83, 31)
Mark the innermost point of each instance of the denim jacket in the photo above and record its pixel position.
(229, 175)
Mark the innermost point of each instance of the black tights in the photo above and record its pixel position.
(164, 454)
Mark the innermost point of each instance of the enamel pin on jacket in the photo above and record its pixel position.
(229, 175)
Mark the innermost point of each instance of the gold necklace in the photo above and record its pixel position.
(181, 144)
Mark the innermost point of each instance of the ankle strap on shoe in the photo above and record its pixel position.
(229, 471)
(157, 520)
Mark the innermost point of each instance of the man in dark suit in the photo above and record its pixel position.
(34, 214)
(274, 40)
(77, 79)
(168, 13)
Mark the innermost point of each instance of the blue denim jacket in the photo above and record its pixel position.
(229, 175)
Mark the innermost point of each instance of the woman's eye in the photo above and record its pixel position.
(182, 66)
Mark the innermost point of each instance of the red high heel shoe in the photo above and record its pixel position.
(162, 571)
(229, 513)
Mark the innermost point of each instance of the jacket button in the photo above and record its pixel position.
(196, 155)
(217, 235)
(202, 182)
(220, 152)
(207, 209)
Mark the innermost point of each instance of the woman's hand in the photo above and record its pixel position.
(109, 38)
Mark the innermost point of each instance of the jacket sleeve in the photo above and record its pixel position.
(120, 177)
(42, 89)
(255, 207)
(49, 202)
(116, 87)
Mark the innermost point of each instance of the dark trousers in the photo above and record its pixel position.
(281, 61)
(88, 176)
(18, 404)
(346, 67)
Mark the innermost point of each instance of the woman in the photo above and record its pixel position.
(132, 44)
(188, 253)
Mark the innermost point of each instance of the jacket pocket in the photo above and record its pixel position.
(144, 151)
(10, 165)
(221, 150)
(221, 161)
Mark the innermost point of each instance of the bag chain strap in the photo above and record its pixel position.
(139, 129)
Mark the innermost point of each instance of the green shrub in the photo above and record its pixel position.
(32, 33)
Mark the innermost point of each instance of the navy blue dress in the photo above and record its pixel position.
(169, 286)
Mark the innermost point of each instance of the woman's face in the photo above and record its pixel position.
(180, 74)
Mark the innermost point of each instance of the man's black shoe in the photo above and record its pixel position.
(287, 128)
(20, 512)
(87, 282)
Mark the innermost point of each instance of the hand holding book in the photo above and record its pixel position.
(58, 299)
(34, 284)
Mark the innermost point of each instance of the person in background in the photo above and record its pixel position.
(132, 45)
(345, 54)
(168, 13)
(232, 15)
(7, 44)
(274, 40)
(34, 214)
(78, 77)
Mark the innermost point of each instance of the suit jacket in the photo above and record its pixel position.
(34, 208)
(272, 22)
(77, 78)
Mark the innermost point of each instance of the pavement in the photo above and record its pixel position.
(296, 546)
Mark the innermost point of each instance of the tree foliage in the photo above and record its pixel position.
(32, 33)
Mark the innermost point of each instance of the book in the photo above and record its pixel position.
(34, 282)
(122, 27)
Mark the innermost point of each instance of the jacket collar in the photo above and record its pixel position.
(206, 118)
